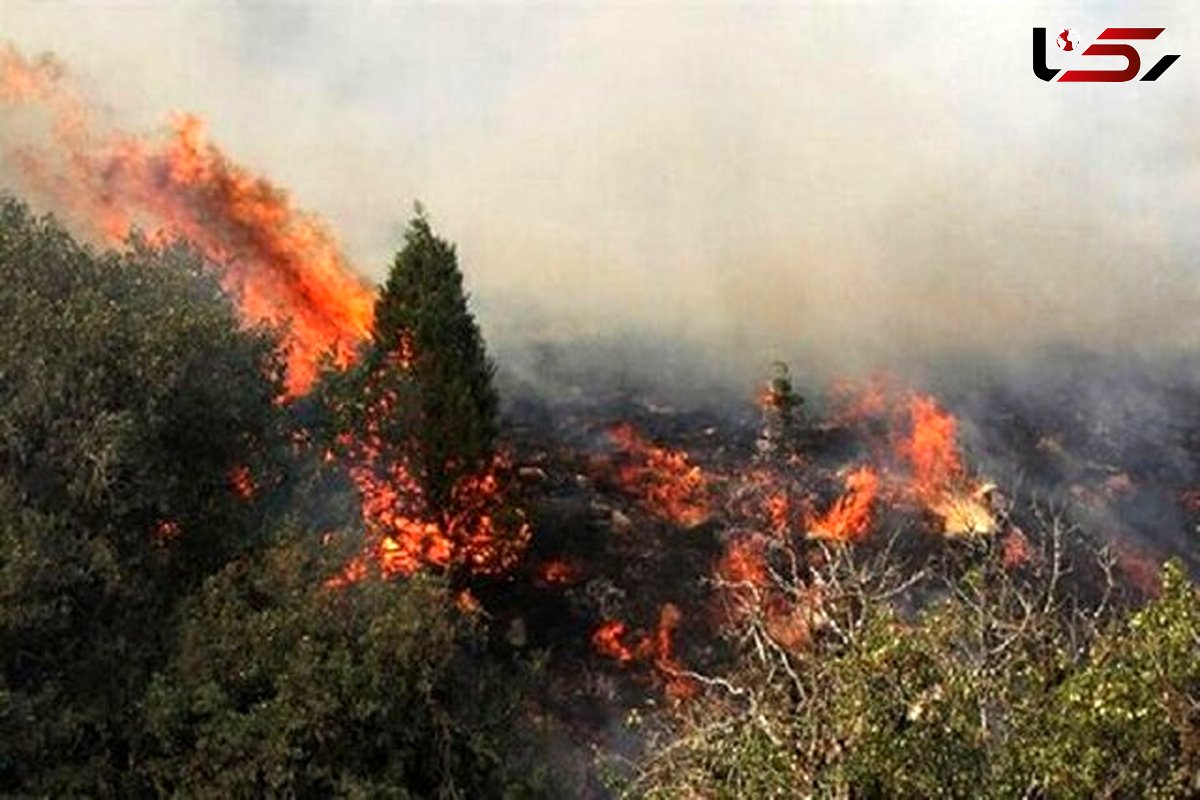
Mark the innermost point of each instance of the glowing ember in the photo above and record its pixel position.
(849, 518)
(166, 531)
(559, 573)
(1015, 549)
(467, 603)
(779, 512)
(606, 640)
(1142, 568)
(242, 482)
(665, 481)
(283, 266)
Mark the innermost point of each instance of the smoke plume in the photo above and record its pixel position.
(841, 186)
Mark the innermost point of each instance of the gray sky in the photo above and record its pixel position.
(841, 182)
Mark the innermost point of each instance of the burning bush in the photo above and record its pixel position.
(415, 424)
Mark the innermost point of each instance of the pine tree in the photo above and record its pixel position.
(427, 349)
(781, 410)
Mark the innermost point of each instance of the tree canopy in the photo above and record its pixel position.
(424, 327)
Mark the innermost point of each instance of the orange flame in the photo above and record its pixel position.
(849, 518)
(606, 640)
(665, 481)
(282, 265)
(407, 538)
(938, 478)
(405, 534)
(931, 448)
(657, 649)
(743, 568)
(748, 590)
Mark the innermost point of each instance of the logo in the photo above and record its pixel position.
(1112, 42)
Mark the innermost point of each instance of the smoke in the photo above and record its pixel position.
(838, 185)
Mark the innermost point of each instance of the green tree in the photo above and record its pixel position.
(286, 687)
(427, 347)
(1128, 722)
(419, 414)
(129, 395)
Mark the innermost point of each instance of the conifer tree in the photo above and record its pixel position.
(428, 353)
(781, 410)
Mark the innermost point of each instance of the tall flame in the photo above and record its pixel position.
(849, 518)
(939, 480)
(931, 448)
(283, 266)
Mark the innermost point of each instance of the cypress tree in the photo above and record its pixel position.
(427, 352)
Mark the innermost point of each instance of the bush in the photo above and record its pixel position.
(284, 687)
(982, 678)
(129, 392)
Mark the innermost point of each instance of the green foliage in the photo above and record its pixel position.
(285, 688)
(447, 408)
(160, 633)
(128, 392)
(1128, 722)
(989, 691)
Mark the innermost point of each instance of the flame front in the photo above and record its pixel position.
(938, 478)
(283, 266)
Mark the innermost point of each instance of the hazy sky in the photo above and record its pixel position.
(837, 181)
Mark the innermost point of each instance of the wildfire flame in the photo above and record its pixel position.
(938, 478)
(849, 518)
(283, 266)
(666, 482)
(609, 639)
(241, 481)
(606, 640)
(749, 590)
(404, 533)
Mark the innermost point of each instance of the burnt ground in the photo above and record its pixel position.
(1116, 451)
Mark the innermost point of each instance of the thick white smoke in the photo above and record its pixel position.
(837, 184)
